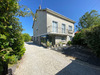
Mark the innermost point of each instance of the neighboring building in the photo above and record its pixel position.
(53, 27)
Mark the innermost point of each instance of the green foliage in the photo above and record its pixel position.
(89, 19)
(48, 44)
(18, 46)
(89, 37)
(26, 37)
(69, 42)
(12, 59)
(92, 38)
(11, 38)
(78, 39)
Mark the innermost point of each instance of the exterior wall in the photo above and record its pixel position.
(43, 25)
(68, 38)
(59, 39)
(40, 24)
(60, 21)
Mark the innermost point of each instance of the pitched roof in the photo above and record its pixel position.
(55, 14)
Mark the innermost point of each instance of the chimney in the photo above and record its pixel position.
(40, 7)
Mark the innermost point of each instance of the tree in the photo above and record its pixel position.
(92, 38)
(89, 19)
(11, 39)
(26, 37)
(78, 39)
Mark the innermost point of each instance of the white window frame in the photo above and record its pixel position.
(54, 26)
(70, 29)
(63, 28)
(70, 37)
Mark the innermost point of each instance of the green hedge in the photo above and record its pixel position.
(89, 37)
(11, 39)
(92, 38)
(69, 42)
(78, 39)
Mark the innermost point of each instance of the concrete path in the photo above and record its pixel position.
(40, 61)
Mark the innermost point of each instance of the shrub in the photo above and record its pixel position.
(10, 33)
(69, 42)
(60, 43)
(26, 37)
(78, 39)
(18, 46)
(12, 59)
(48, 44)
(92, 38)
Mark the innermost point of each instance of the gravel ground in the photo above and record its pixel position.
(41, 61)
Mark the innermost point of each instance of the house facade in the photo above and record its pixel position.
(53, 27)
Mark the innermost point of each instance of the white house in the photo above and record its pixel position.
(53, 27)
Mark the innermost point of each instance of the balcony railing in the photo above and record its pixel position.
(59, 30)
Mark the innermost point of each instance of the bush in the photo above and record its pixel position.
(10, 33)
(92, 38)
(89, 37)
(26, 37)
(69, 42)
(18, 46)
(78, 39)
(48, 44)
(12, 59)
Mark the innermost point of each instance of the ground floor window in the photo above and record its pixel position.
(63, 38)
(43, 39)
(34, 38)
(70, 38)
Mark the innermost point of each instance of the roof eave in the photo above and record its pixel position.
(59, 15)
(56, 14)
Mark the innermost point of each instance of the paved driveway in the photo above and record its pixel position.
(40, 61)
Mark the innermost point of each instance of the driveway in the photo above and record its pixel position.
(41, 61)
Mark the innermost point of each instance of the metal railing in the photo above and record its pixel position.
(59, 30)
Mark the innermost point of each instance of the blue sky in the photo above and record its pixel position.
(72, 9)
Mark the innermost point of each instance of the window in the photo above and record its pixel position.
(37, 39)
(70, 28)
(63, 38)
(34, 38)
(54, 26)
(63, 28)
(70, 38)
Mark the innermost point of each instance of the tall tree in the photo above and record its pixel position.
(11, 40)
(89, 19)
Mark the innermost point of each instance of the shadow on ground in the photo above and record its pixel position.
(81, 53)
(76, 68)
